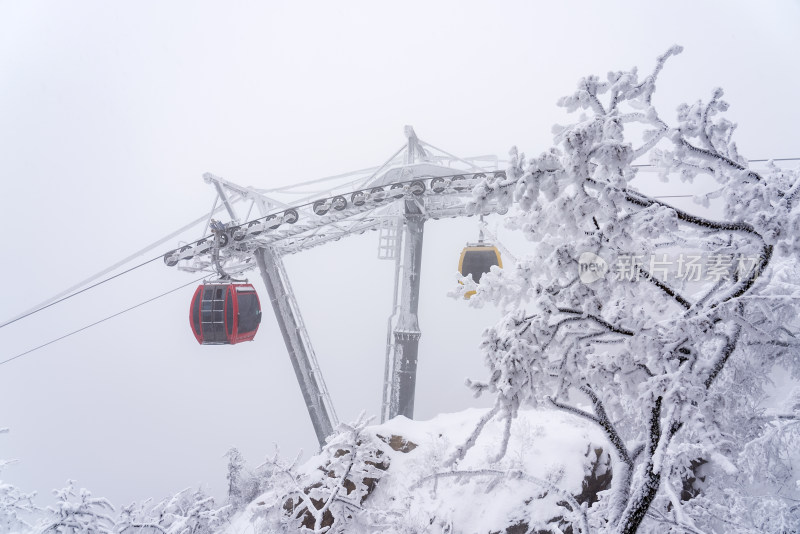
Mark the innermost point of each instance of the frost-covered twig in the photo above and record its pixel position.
(713, 156)
(462, 450)
(515, 473)
(599, 320)
(725, 353)
(504, 441)
(661, 518)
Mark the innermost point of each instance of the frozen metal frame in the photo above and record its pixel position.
(419, 182)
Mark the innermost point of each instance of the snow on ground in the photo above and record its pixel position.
(545, 444)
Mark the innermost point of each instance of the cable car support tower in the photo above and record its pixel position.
(419, 182)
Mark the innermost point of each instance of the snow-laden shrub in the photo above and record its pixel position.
(330, 495)
(190, 511)
(15, 506)
(77, 512)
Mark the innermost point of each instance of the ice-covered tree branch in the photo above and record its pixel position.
(674, 369)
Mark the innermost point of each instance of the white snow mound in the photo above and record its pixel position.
(545, 445)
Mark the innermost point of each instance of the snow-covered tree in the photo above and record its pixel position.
(245, 484)
(236, 466)
(188, 512)
(603, 322)
(330, 497)
(15, 506)
(137, 519)
(78, 513)
(353, 462)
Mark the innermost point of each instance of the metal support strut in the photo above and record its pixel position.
(400, 374)
(312, 386)
(401, 364)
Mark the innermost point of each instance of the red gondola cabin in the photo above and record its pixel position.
(225, 314)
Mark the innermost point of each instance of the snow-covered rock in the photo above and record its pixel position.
(553, 460)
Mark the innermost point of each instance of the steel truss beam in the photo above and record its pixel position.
(298, 344)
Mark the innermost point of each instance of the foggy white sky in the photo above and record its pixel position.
(110, 113)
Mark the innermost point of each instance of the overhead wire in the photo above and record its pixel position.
(749, 161)
(761, 160)
(100, 321)
(36, 310)
(123, 262)
(772, 159)
(41, 308)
